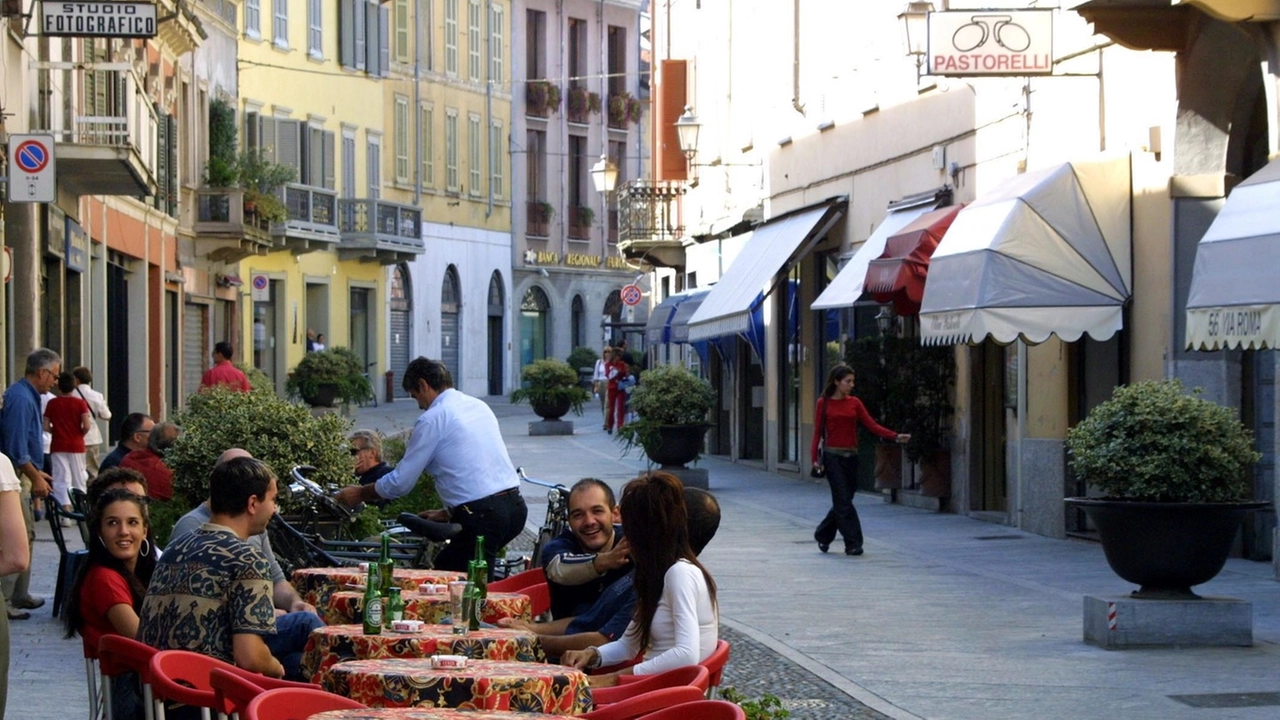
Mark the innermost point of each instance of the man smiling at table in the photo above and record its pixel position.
(588, 557)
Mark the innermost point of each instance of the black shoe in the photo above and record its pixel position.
(19, 614)
(823, 546)
(852, 551)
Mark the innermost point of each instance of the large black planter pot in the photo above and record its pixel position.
(1165, 548)
(676, 444)
(552, 410)
(326, 395)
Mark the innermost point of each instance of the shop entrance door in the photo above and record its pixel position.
(988, 491)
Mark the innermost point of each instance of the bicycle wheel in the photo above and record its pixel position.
(293, 550)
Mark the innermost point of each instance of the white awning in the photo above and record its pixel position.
(846, 286)
(1046, 253)
(1234, 296)
(680, 318)
(769, 252)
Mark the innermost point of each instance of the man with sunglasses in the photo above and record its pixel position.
(134, 434)
(366, 455)
(22, 439)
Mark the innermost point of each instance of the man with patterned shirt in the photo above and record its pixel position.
(211, 591)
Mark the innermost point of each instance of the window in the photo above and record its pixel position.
(428, 25)
(401, 129)
(577, 38)
(364, 36)
(402, 31)
(577, 171)
(617, 54)
(317, 157)
(496, 63)
(315, 28)
(426, 118)
(495, 159)
(535, 44)
(473, 153)
(359, 34)
(280, 24)
(451, 37)
(536, 152)
(451, 150)
(348, 163)
(374, 165)
(252, 19)
(473, 40)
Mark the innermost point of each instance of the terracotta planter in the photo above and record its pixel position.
(676, 444)
(888, 466)
(1165, 548)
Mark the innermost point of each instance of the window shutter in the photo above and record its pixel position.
(288, 149)
(162, 160)
(347, 33)
(384, 40)
(267, 140)
(361, 33)
(371, 48)
(327, 143)
(171, 205)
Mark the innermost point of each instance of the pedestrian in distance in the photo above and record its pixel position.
(67, 418)
(600, 383)
(223, 372)
(135, 432)
(93, 439)
(834, 452)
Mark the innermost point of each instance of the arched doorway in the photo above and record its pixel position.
(450, 330)
(535, 330)
(401, 324)
(497, 303)
(579, 318)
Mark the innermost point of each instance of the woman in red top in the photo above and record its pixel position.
(837, 417)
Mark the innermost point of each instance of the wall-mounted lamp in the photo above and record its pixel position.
(915, 28)
(687, 127)
(884, 321)
(604, 175)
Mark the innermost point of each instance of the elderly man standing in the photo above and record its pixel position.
(150, 460)
(22, 439)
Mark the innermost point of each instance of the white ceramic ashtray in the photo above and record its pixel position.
(407, 626)
(433, 589)
(448, 661)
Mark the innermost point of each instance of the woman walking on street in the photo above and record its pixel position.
(835, 421)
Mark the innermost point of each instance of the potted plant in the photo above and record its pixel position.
(551, 388)
(671, 404)
(583, 359)
(542, 97)
(584, 216)
(545, 211)
(325, 376)
(221, 171)
(579, 103)
(261, 178)
(1172, 471)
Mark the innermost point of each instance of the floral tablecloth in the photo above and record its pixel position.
(481, 685)
(331, 645)
(427, 714)
(315, 585)
(345, 607)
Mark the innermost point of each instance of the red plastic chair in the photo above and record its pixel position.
(639, 705)
(519, 581)
(182, 676)
(118, 655)
(295, 704)
(691, 676)
(715, 664)
(234, 687)
(700, 709)
(539, 597)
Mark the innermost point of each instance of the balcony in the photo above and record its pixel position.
(224, 231)
(379, 231)
(313, 219)
(650, 226)
(104, 127)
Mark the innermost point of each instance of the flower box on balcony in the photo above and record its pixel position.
(581, 103)
(623, 108)
(541, 98)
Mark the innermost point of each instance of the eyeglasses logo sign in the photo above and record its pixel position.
(1001, 43)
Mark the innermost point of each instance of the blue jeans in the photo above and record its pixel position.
(292, 631)
(842, 476)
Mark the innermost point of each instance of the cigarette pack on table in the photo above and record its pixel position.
(448, 661)
(407, 626)
(433, 589)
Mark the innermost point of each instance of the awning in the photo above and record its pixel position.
(768, 253)
(680, 318)
(1234, 295)
(846, 286)
(1046, 253)
(661, 325)
(898, 275)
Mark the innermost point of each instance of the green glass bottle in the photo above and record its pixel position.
(481, 575)
(472, 600)
(395, 607)
(372, 613)
(386, 567)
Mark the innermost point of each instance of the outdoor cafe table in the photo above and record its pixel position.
(315, 585)
(422, 713)
(481, 685)
(345, 607)
(333, 644)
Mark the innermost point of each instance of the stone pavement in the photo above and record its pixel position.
(944, 617)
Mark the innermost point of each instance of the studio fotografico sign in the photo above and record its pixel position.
(97, 19)
(991, 42)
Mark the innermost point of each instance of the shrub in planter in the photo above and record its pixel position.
(551, 385)
(583, 357)
(667, 396)
(336, 371)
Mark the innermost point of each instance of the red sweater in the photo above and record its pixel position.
(66, 413)
(224, 373)
(842, 420)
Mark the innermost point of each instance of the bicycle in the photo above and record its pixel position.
(557, 517)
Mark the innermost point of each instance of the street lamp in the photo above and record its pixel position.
(604, 175)
(915, 25)
(687, 127)
(884, 321)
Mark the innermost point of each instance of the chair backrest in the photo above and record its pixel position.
(270, 683)
(54, 513)
(700, 709)
(295, 704)
(716, 661)
(118, 654)
(539, 597)
(183, 676)
(80, 504)
(232, 692)
(644, 703)
(519, 581)
(688, 676)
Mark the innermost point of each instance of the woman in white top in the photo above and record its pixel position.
(599, 381)
(676, 623)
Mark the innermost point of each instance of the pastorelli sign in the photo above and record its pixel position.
(98, 19)
(991, 42)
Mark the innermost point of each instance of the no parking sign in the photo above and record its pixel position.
(31, 174)
(260, 288)
(631, 295)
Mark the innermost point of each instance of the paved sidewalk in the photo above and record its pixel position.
(944, 617)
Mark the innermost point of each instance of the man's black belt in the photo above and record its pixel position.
(500, 493)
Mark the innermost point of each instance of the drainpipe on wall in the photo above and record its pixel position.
(417, 102)
(488, 101)
(795, 65)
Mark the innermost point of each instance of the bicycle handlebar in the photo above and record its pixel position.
(553, 486)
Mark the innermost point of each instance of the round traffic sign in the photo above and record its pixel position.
(32, 156)
(260, 282)
(631, 294)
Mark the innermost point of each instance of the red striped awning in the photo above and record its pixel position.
(898, 275)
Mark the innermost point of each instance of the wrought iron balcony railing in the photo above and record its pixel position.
(649, 211)
(380, 228)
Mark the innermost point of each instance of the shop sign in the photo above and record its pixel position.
(98, 19)
(581, 260)
(55, 231)
(991, 42)
(77, 246)
(616, 263)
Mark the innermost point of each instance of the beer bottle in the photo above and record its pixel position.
(386, 567)
(395, 607)
(481, 574)
(472, 601)
(372, 603)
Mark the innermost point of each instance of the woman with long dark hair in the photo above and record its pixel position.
(676, 623)
(835, 421)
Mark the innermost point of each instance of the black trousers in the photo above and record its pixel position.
(499, 518)
(842, 476)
